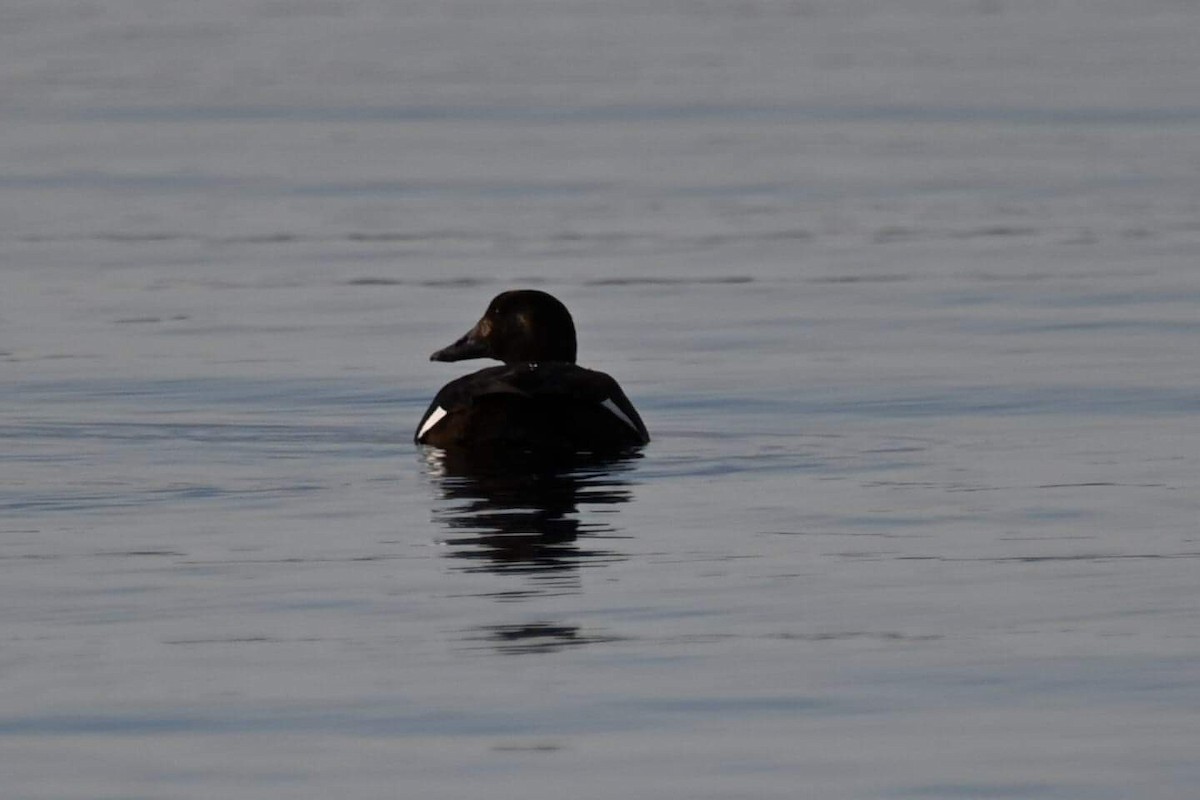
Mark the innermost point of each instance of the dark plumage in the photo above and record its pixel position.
(539, 399)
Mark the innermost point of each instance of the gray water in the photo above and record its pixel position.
(905, 291)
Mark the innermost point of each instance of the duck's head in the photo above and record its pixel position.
(523, 326)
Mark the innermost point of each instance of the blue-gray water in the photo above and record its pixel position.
(905, 291)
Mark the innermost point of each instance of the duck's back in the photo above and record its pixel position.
(551, 406)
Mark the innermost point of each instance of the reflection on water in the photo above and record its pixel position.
(537, 517)
(536, 637)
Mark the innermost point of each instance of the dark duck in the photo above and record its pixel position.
(539, 400)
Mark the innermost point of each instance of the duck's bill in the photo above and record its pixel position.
(469, 346)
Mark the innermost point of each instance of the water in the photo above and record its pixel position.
(905, 292)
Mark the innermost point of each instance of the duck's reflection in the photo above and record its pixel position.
(540, 517)
(536, 637)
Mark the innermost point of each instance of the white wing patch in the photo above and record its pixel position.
(434, 418)
(621, 415)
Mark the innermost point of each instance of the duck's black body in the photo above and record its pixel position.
(548, 407)
(539, 400)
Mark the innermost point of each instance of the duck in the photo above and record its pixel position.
(538, 399)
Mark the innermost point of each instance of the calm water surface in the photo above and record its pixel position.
(906, 293)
